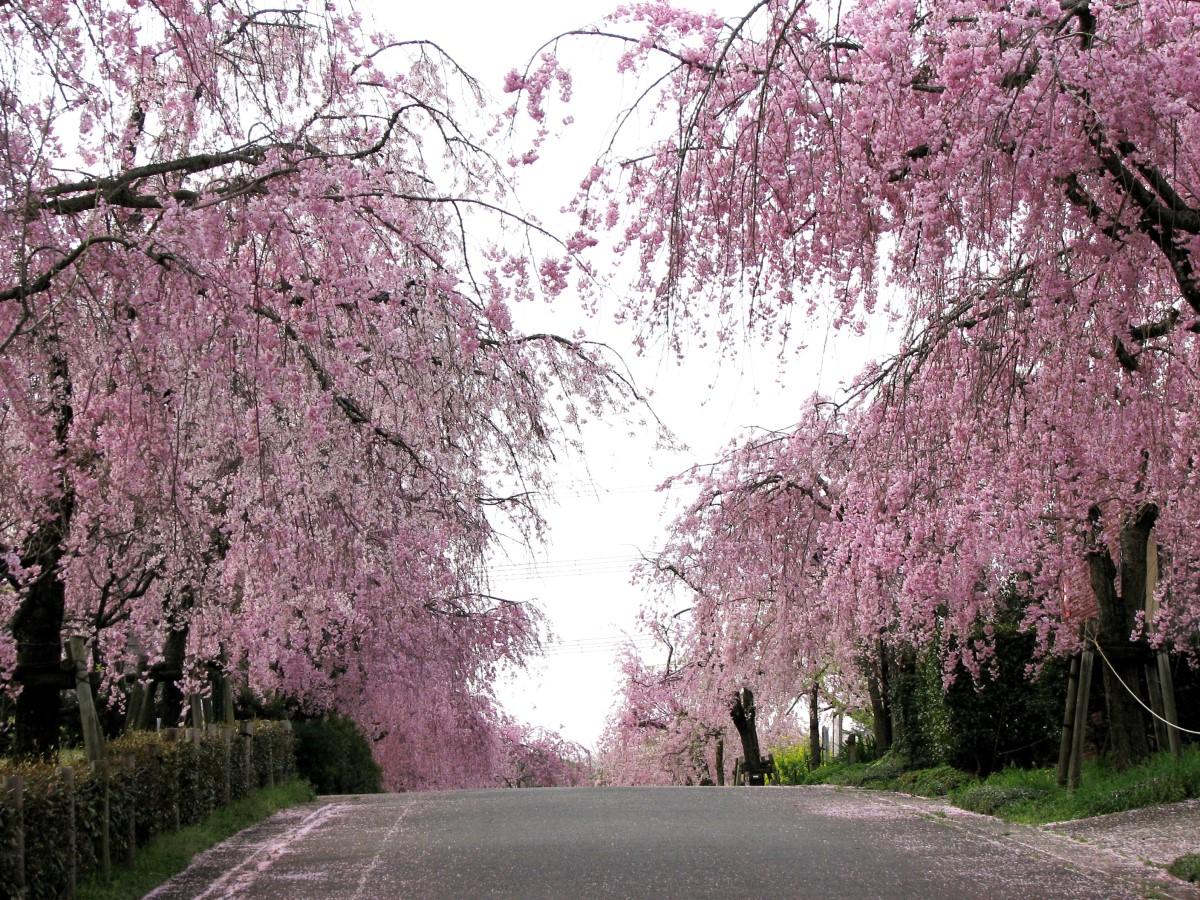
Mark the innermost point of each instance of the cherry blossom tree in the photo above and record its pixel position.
(540, 757)
(262, 406)
(1013, 185)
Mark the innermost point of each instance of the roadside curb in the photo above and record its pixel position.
(1085, 858)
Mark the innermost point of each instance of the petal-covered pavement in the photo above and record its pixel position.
(815, 842)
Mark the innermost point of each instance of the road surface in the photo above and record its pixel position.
(653, 842)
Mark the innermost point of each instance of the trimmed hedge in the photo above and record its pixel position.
(153, 782)
(335, 756)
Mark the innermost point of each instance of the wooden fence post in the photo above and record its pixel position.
(172, 735)
(248, 754)
(131, 846)
(16, 788)
(227, 753)
(67, 776)
(103, 772)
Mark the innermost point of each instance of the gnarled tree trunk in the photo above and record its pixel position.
(744, 714)
(1126, 722)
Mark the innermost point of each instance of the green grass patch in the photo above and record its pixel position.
(1186, 867)
(169, 854)
(1031, 796)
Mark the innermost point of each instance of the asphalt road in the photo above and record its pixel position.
(647, 842)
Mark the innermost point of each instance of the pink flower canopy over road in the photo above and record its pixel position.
(1015, 186)
(257, 384)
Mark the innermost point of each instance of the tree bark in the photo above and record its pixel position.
(877, 690)
(37, 624)
(744, 715)
(37, 628)
(814, 726)
(171, 701)
(1126, 724)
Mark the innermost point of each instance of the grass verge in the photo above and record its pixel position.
(169, 854)
(1031, 795)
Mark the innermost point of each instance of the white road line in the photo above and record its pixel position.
(362, 881)
(241, 876)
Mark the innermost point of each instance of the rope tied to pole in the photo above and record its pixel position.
(1133, 694)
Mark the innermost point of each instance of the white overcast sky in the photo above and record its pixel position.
(605, 512)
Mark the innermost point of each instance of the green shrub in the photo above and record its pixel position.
(791, 765)
(990, 799)
(335, 757)
(937, 781)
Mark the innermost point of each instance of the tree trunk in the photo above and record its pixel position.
(1126, 724)
(720, 762)
(901, 669)
(37, 627)
(881, 715)
(171, 702)
(744, 714)
(37, 624)
(814, 725)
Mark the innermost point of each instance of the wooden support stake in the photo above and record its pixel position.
(1156, 706)
(149, 701)
(133, 705)
(1086, 664)
(227, 713)
(16, 789)
(1166, 684)
(196, 707)
(93, 737)
(1068, 722)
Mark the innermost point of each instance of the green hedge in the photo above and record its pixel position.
(155, 783)
(335, 757)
